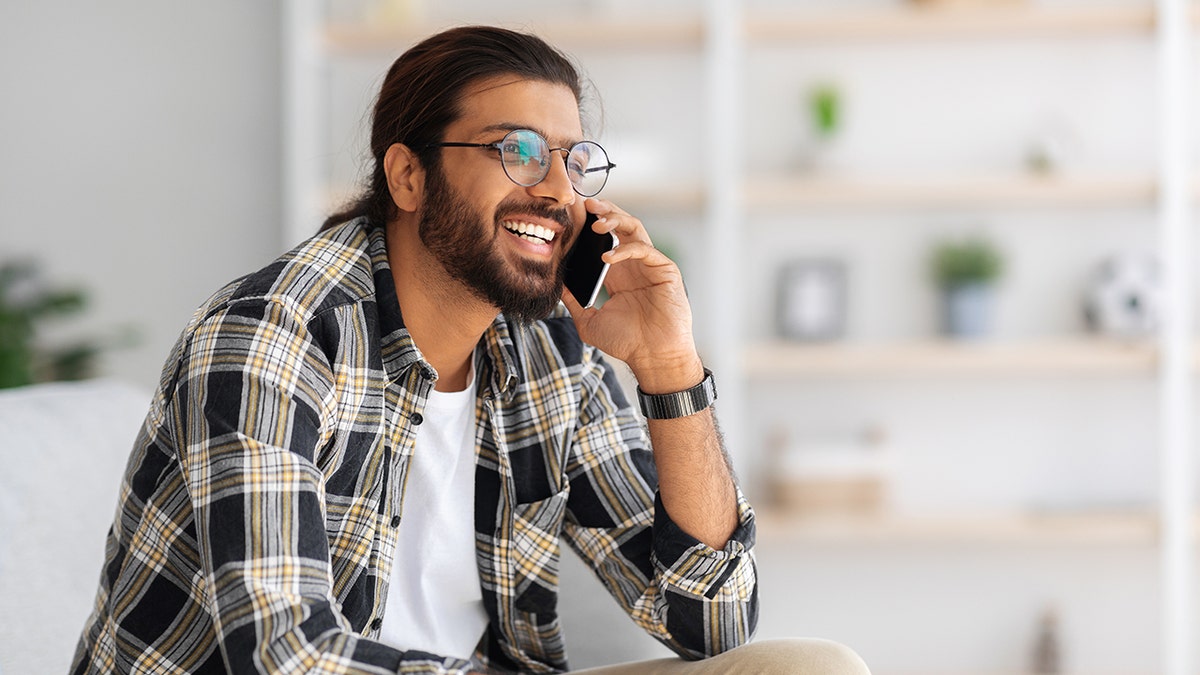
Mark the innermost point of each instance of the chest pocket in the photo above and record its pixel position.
(535, 544)
(534, 623)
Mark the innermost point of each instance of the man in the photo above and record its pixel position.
(363, 458)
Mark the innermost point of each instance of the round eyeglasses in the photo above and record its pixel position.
(525, 156)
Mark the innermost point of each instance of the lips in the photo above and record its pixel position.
(533, 232)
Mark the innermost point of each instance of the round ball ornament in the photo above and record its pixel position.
(1124, 297)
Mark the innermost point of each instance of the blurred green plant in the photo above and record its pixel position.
(25, 303)
(825, 107)
(963, 262)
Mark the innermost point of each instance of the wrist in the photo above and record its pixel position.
(668, 375)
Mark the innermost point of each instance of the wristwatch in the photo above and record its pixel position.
(681, 403)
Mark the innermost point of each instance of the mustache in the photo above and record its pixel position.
(540, 209)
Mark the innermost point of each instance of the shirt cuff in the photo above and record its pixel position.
(415, 661)
(694, 568)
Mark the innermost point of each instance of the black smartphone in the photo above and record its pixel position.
(584, 269)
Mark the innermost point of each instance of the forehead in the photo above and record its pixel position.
(545, 107)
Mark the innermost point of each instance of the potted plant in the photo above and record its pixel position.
(824, 107)
(965, 272)
(25, 302)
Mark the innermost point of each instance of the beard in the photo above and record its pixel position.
(466, 245)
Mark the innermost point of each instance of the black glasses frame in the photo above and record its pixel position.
(498, 146)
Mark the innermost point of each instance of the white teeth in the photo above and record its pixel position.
(530, 231)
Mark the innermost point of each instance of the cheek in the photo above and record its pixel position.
(480, 184)
(578, 211)
(482, 203)
(488, 200)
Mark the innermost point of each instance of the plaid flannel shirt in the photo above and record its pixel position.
(257, 519)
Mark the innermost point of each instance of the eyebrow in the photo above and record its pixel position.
(513, 126)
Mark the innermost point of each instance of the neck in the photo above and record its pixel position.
(444, 317)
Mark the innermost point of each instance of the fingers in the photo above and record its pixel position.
(633, 240)
(637, 250)
(613, 219)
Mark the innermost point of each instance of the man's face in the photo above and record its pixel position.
(473, 214)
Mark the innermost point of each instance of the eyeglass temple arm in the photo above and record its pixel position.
(463, 145)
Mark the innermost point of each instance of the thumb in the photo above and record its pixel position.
(576, 310)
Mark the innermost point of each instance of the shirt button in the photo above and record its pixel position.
(395, 521)
(376, 623)
(417, 418)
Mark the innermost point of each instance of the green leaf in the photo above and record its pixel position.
(969, 261)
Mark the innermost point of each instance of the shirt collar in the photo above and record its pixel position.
(399, 352)
(499, 346)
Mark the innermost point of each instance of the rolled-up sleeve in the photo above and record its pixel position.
(696, 579)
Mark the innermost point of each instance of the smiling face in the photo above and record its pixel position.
(504, 242)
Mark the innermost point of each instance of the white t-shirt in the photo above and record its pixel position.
(434, 603)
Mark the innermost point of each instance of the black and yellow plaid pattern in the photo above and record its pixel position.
(256, 525)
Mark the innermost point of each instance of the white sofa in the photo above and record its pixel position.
(64, 449)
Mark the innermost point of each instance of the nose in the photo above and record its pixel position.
(557, 183)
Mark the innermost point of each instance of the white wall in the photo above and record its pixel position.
(140, 150)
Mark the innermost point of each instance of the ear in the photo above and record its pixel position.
(405, 177)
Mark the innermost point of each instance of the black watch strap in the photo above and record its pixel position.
(680, 403)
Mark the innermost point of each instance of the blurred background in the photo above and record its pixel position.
(922, 237)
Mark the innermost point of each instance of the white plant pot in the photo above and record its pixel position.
(967, 310)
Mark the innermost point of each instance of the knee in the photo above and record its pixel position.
(801, 655)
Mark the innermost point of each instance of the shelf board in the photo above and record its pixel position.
(680, 198)
(1018, 20)
(774, 192)
(677, 197)
(1051, 529)
(650, 31)
(767, 193)
(655, 30)
(1062, 357)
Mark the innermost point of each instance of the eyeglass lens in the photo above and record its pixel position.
(526, 158)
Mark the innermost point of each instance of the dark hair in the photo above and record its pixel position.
(422, 95)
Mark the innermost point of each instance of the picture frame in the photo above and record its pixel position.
(811, 300)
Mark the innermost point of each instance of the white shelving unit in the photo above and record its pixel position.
(1176, 246)
(1169, 191)
(721, 34)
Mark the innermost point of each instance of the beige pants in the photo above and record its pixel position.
(776, 657)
